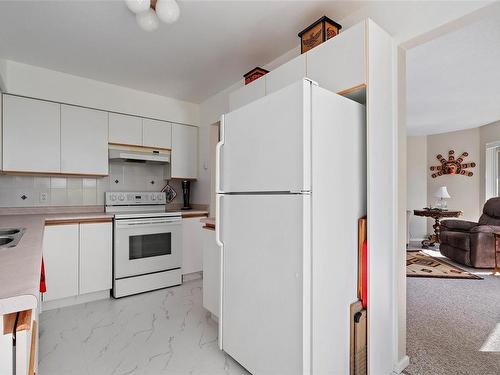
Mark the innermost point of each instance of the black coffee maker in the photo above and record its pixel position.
(186, 192)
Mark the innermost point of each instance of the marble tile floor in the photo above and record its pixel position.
(162, 332)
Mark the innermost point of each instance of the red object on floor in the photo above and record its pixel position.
(364, 276)
(43, 285)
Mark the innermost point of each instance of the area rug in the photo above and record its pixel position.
(423, 265)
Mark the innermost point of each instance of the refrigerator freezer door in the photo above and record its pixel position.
(265, 238)
(265, 145)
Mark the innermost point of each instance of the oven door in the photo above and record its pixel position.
(146, 245)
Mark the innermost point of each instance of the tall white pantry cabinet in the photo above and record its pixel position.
(360, 63)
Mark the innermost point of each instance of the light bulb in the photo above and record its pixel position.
(167, 10)
(138, 6)
(148, 20)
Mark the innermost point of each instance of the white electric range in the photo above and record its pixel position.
(147, 242)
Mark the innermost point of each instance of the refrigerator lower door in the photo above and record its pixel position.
(265, 287)
(266, 145)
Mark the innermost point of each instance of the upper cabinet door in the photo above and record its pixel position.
(156, 133)
(286, 74)
(31, 135)
(247, 93)
(124, 129)
(340, 63)
(84, 141)
(184, 151)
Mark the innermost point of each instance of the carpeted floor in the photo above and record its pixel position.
(453, 326)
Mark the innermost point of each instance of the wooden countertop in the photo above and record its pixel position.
(209, 223)
(186, 214)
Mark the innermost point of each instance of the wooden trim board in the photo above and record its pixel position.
(48, 174)
(187, 215)
(23, 324)
(353, 89)
(93, 220)
(34, 335)
(138, 147)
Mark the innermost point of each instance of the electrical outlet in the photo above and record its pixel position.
(44, 197)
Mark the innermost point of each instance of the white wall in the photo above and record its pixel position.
(464, 191)
(416, 170)
(32, 81)
(487, 134)
(3, 75)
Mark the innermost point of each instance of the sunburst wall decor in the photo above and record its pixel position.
(452, 165)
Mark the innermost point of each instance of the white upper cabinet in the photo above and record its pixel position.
(339, 63)
(124, 129)
(247, 93)
(184, 151)
(156, 133)
(286, 74)
(31, 135)
(84, 141)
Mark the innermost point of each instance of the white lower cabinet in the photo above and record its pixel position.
(211, 272)
(60, 253)
(191, 245)
(78, 259)
(95, 257)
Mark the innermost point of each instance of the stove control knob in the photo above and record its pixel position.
(153, 197)
(161, 197)
(112, 197)
(121, 197)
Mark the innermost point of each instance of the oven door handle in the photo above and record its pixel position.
(126, 223)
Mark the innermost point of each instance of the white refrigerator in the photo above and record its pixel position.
(291, 185)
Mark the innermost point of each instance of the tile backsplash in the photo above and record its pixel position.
(83, 191)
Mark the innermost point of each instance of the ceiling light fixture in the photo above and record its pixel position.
(150, 12)
(167, 10)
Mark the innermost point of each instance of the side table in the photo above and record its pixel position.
(496, 270)
(436, 215)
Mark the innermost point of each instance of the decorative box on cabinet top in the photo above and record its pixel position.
(253, 74)
(320, 31)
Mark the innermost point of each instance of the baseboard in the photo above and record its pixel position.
(192, 276)
(417, 239)
(76, 300)
(401, 365)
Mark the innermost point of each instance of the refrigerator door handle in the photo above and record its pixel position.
(220, 243)
(218, 159)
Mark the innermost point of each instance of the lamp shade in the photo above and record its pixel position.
(442, 192)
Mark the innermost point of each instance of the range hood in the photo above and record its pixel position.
(138, 154)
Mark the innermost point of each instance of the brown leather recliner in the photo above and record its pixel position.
(469, 243)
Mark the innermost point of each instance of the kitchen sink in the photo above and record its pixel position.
(10, 237)
(5, 240)
(9, 232)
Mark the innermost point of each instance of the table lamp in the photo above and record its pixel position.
(442, 194)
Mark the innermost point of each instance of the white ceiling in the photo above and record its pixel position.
(453, 82)
(211, 46)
